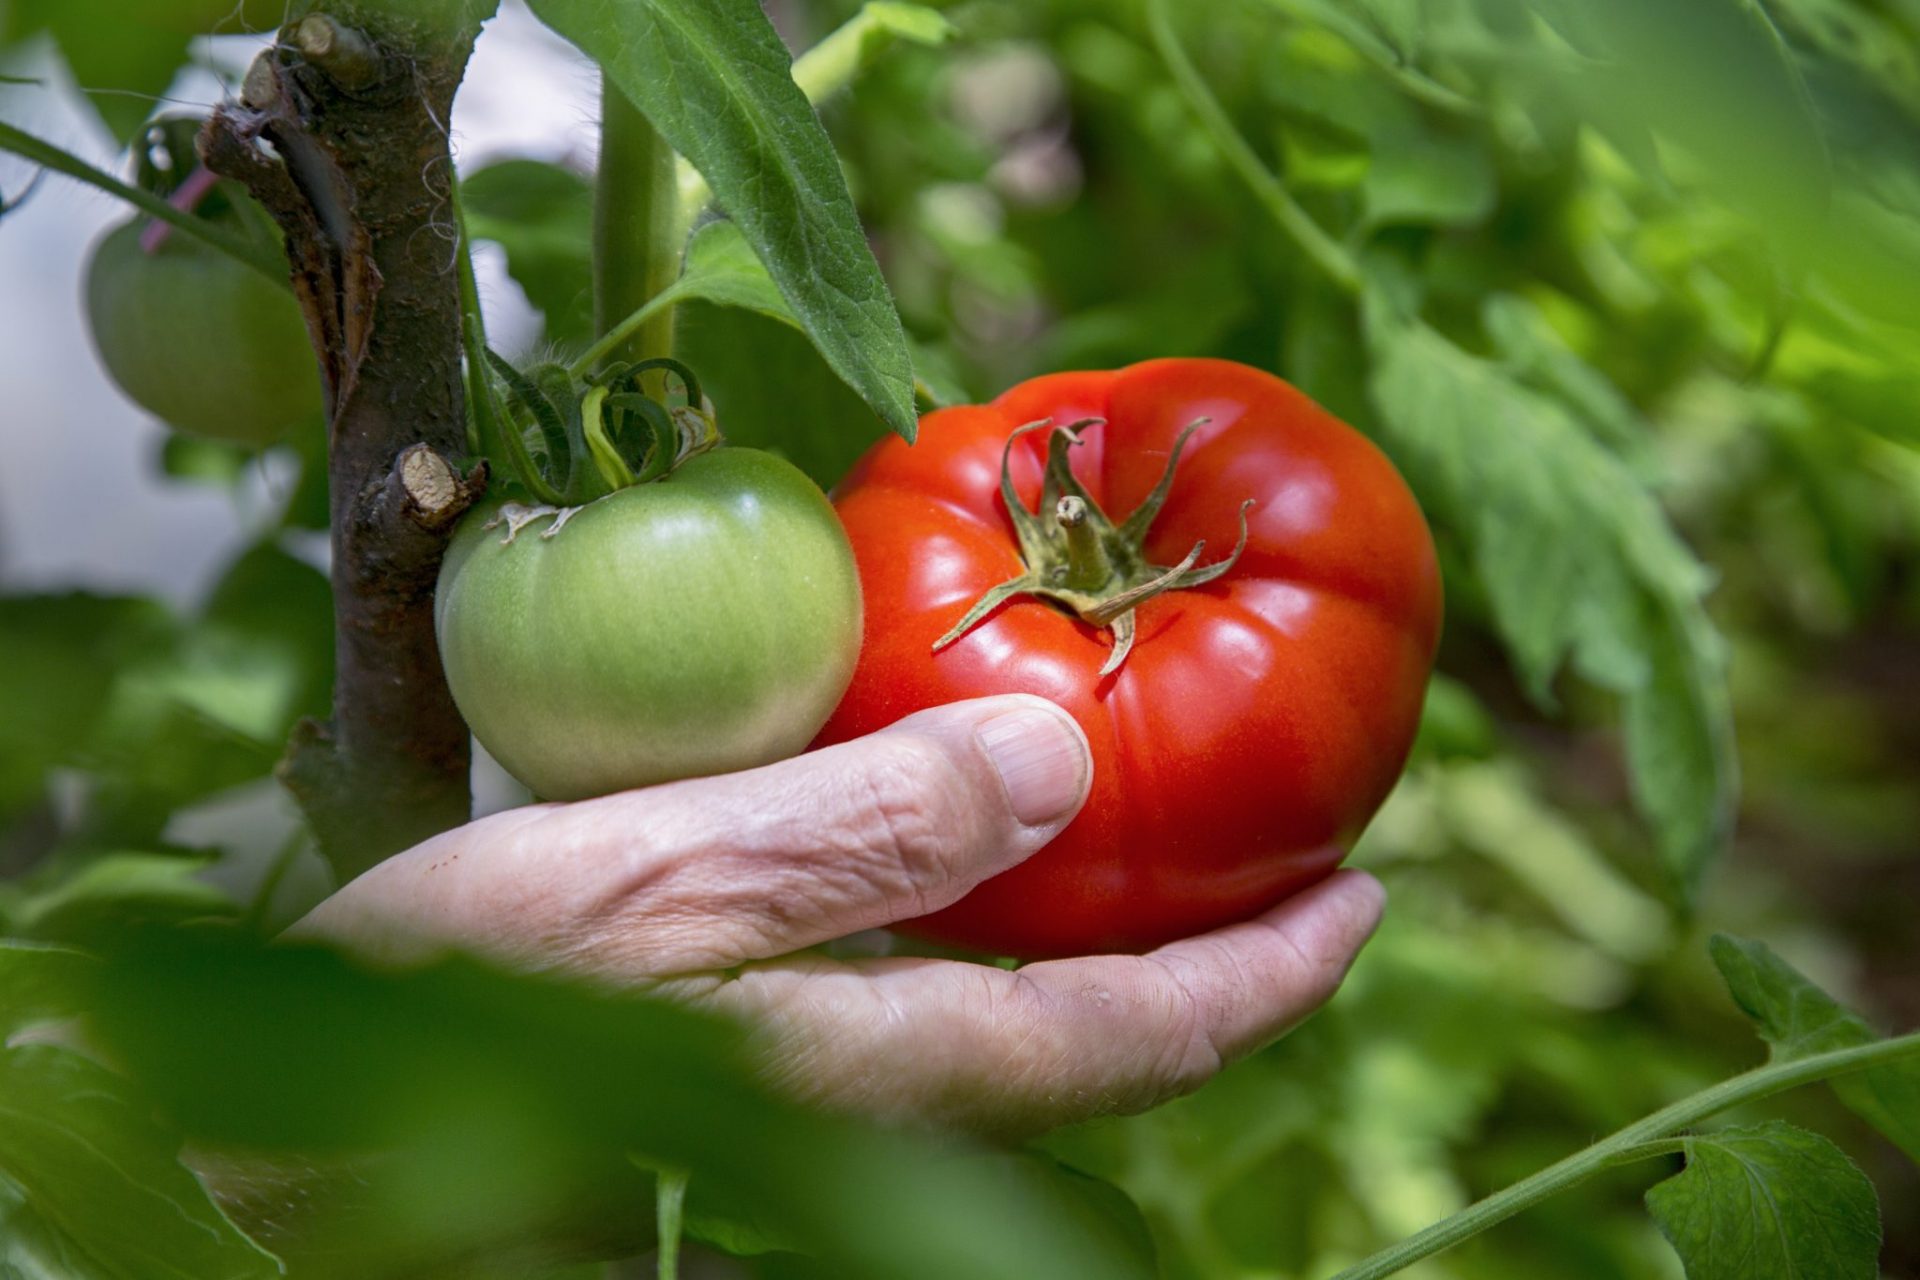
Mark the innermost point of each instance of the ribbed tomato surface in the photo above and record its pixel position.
(1260, 719)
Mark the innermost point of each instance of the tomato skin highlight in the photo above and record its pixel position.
(1260, 719)
(698, 624)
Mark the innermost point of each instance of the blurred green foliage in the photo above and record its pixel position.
(1639, 316)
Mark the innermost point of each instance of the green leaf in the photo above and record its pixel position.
(1529, 346)
(1094, 1206)
(124, 55)
(1579, 565)
(113, 890)
(714, 79)
(1491, 809)
(503, 1103)
(722, 268)
(1770, 1202)
(59, 656)
(90, 1187)
(1427, 177)
(162, 711)
(280, 607)
(1743, 115)
(1799, 1020)
(40, 981)
(541, 215)
(1364, 32)
(1871, 254)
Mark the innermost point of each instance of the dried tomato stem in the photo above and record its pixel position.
(1088, 567)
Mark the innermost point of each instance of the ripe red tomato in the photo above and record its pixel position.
(1259, 719)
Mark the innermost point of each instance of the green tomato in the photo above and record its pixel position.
(204, 343)
(702, 623)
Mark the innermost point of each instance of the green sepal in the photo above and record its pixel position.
(1077, 558)
(500, 439)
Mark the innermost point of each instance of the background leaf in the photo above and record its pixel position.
(1770, 1202)
(1579, 565)
(89, 1187)
(1799, 1019)
(500, 1103)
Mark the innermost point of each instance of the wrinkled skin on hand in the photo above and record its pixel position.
(706, 889)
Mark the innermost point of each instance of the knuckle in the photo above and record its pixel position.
(911, 832)
(1188, 1052)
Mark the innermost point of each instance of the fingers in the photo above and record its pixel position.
(711, 872)
(1016, 1052)
(1247, 984)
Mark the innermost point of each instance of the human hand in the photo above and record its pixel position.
(702, 889)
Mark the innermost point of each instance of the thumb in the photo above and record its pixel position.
(711, 872)
(850, 837)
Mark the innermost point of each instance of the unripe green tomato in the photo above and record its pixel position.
(698, 624)
(206, 344)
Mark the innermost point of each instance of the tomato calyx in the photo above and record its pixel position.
(1077, 558)
(567, 442)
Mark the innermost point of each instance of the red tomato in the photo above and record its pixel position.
(1258, 721)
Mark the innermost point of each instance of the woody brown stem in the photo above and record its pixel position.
(355, 103)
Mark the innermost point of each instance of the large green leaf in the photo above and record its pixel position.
(1799, 1019)
(1579, 564)
(714, 79)
(91, 1187)
(1770, 1202)
(497, 1102)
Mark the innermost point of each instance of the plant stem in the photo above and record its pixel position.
(1629, 1143)
(670, 1201)
(1322, 249)
(638, 234)
(1089, 568)
(359, 182)
(260, 257)
(473, 332)
(619, 334)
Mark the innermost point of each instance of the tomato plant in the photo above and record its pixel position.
(1265, 704)
(678, 608)
(1623, 290)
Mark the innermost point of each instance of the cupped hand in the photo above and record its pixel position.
(705, 889)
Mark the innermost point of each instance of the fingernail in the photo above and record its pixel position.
(1042, 759)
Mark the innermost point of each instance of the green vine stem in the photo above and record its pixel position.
(1326, 252)
(638, 233)
(473, 334)
(1642, 1139)
(618, 335)
(267, 261)
(669, 1219)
